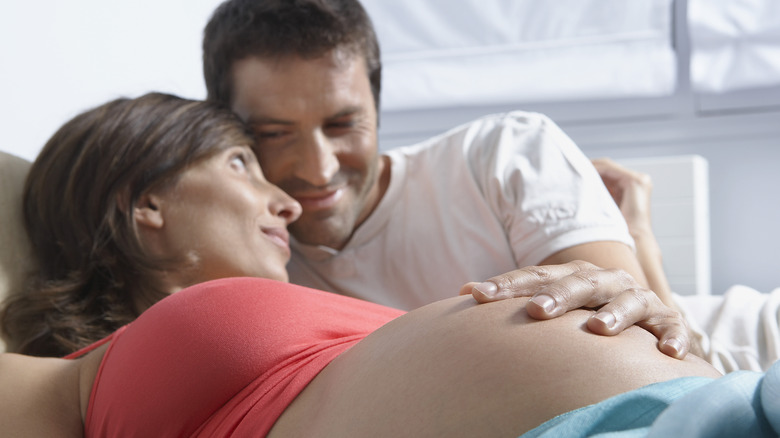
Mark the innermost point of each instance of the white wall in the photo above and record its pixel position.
(58, 58)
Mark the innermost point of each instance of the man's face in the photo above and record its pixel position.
(315, 125)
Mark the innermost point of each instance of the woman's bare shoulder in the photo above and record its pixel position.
(39, 397)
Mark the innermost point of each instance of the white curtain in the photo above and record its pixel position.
(735, 44)
(440, 53)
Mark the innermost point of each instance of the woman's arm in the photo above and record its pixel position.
(458, 368)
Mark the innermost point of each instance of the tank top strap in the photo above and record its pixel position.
(81, 352)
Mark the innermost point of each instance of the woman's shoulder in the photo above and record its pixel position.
(38, 396)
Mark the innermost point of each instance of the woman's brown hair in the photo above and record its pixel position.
(79, 196)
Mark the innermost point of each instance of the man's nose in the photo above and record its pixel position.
(317, 162)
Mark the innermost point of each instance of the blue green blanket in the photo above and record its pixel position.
(740, 404)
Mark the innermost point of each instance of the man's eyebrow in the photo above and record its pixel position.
(346, 112)
(349, 111)
(267, 121)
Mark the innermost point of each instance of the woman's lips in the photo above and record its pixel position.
(319, 201)
(279, 236)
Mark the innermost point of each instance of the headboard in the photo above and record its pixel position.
(15, 255)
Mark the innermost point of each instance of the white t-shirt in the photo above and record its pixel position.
(487, 197)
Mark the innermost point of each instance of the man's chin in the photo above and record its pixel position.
(320, 232)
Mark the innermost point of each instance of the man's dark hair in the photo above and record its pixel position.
(279, 28)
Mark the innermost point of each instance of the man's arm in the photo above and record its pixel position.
(621, 287)
(631, 191)
(607, 255)
(644, 266)
(551, 200)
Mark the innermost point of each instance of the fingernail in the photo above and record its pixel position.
(487, 288)
(674, 343)
(545, 302)
(607, 318)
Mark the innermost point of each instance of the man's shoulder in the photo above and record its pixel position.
(516, 117)
(470, 133)
(501, 120)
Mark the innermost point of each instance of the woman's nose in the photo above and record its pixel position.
(284, 206)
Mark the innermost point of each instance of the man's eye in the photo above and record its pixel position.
(341, 125)
(269, 135)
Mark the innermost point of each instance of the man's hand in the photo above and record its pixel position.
(621, 301)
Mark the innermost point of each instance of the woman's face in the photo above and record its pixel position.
(225, 215)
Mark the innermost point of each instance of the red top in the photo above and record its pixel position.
(223, 357)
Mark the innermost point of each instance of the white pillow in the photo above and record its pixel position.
(16, 259)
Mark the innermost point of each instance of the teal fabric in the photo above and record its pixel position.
(740, 404)
(731, 406)
(626, 415)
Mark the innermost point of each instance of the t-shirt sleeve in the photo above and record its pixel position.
(540, 185)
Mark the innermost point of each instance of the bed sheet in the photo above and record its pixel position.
(737, 330)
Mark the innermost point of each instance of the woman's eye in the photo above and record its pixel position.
(238, 162)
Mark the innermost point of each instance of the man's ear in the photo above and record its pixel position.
(147, 211)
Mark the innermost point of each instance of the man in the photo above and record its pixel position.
(408, 227)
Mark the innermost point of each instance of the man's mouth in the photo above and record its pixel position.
(321, 200)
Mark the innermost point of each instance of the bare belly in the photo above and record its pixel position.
(456, 368)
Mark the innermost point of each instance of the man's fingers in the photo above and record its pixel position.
(467, 288)
(643, 307)
(626, 309)
(677, 344)
(584, 288)
(557, 289)
(525, 282)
